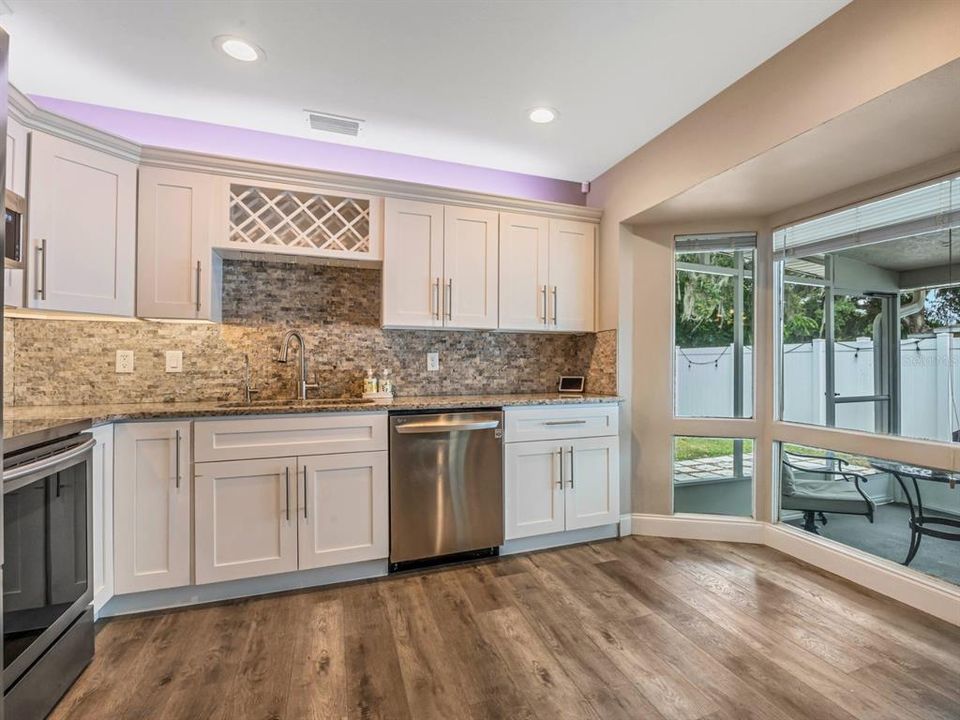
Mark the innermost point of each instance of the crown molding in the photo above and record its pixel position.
(25, 111)
(345, 183)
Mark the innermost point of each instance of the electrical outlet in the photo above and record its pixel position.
(124, 361)
(173, 361)
(433, 361)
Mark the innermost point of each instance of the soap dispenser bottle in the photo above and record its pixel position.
(386, 384)
(370, 383)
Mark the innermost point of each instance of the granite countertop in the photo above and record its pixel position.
(24, 420)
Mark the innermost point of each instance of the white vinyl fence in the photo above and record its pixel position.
(929, 381)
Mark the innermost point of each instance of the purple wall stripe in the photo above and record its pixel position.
(191, 135)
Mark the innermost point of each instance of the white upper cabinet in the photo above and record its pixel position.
(440, 266)
(571, 275)
(412, 264)
(82, 225)
(16, 181)
(16, 157)
(177, 274)
(524, 255)
(470, 267)
(547, 270)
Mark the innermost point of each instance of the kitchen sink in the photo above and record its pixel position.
(318, 402)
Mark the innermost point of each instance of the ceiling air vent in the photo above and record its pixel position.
(334, 123)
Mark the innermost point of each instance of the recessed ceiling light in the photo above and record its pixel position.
(543, 115)
(238, 48)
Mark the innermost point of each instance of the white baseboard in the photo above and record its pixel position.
(911, 587)
(699, 527)
(626, 525)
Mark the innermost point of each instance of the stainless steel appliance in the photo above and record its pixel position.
(15, 212)
(47, 566)
(446, 486)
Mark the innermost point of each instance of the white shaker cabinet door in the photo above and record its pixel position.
(470, 268)
(82, 229)
(343, 509)
(174, 260)
(572, 270)
(151, 509)
(533, 489)
(246, 518)
(592, 482)
(102, 516)
(412, 264)
(524, 241)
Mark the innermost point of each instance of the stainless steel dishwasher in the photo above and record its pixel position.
(446, 487)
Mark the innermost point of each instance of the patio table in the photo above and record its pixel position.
(920, 523)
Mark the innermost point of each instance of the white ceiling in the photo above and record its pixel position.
(447, 80)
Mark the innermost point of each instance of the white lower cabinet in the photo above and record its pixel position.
(151, 509)
(260, 517)
(344, 513)
(275, 495)
(562, 483)
(534, 489)
(246, 518)
(102, 516)
(592, 483)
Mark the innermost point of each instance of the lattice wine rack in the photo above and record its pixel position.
(272, 217)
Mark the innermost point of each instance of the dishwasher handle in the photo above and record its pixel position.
(445, 427)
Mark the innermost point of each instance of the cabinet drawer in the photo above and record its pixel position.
(238, 439)
(553, 422)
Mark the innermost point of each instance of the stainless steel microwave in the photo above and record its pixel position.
(16, 211)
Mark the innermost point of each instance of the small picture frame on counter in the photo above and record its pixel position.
(570, 384)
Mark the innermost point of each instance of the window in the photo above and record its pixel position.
(870, 316)
(874, 505)
(713, 326)
(713, 475)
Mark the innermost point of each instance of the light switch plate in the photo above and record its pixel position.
(124, 361)
(433, 361)
(173, 361)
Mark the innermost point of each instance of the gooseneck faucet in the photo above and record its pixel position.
(284, 356)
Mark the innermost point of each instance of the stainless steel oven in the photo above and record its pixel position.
(47, 568)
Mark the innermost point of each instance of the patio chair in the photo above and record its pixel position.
(828, 488)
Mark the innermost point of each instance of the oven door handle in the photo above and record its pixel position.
(46, 463)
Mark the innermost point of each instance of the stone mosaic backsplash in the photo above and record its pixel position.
(58, 361)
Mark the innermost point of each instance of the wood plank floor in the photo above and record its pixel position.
(636, 628)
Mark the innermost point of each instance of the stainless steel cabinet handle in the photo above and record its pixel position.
(286, 495)
(304, 492)
(564, 422)
(445, 427)
(41, 289)
(560, 455)
(554, 304)
(198, 286)
(436, 298)
(44, 464)
(450, 299)
(177, 459)
(546, 315)
(571, 467)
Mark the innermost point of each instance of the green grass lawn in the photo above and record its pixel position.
(694, 448)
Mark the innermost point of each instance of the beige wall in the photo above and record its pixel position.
(867, 49)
